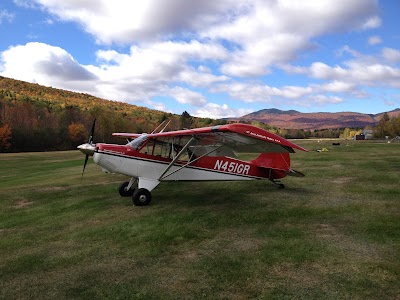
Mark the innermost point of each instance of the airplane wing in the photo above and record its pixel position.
(230, 139)
(127, 135)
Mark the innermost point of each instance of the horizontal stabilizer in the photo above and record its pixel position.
(295, 173)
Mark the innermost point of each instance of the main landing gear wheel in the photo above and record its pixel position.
(141, 197)
(123, 192)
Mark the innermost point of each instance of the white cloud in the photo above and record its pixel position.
(323, 99)
(44, 64)
(25, 3)
(271, 33)
(360, 71)
(147, 71)
(180, 46)
(391, 55)
(373, 22)
(261, 33)
(187, 96)
(250, 92)
(374, 40)
(200, 78)
(6, 16)
(338, 86)
(216, 111)
(323, 71)
(123, 21)
(163, 61)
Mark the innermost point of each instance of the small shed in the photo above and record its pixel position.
(360, 137)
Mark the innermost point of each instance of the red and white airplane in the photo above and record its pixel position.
(208, 153)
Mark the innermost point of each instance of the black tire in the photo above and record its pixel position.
(141, 197)
(122, 190)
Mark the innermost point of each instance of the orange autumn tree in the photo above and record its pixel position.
(5, 137)
(77, 132)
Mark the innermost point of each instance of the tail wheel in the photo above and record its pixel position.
(123, 192)
(141, 197)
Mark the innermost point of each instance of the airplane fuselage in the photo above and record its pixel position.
(132, 163)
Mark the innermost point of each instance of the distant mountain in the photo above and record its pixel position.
(292, 119)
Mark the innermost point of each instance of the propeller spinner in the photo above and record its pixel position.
(88, 148)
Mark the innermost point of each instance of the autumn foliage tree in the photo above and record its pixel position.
(387, 127)
(77, 132)
(5, 137)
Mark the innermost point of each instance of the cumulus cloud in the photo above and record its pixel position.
(217, 111)
(250, 92)
(261, 33)
(187, 96)
(391, 55)
(38, 62)
(271, 33)
(323, 99)
(123, 21)
(337, 86)
(150, 70)
(179, 48)
(363, 70)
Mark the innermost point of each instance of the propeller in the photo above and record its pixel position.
(88, 148)
(92, 132)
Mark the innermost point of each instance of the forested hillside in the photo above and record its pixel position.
(38, 118)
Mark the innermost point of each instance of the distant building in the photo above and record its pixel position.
(359, 137)
(368, 133)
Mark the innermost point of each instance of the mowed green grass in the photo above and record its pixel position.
(334, 234)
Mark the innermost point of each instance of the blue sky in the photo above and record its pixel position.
(210, 58)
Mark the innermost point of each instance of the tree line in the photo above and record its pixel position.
(387, 127)
(37, 118)
(31, 124)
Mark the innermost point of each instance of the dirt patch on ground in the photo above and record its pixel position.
(348, 245)
(22, 203)
(342, 180)
(227, 241)
(53, 188)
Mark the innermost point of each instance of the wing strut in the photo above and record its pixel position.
(159, 126)
(185, 165)
(177, 157)
(162, 130)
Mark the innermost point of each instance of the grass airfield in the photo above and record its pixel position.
(334, 234)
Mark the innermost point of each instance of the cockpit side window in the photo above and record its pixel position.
(161, 148)
(168, 147)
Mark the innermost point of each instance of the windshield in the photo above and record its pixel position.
(136, 143)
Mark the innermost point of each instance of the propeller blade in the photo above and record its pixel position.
(92, 132)
(84, 165)
(88, 148)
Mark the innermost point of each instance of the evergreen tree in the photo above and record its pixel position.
(186, 120)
